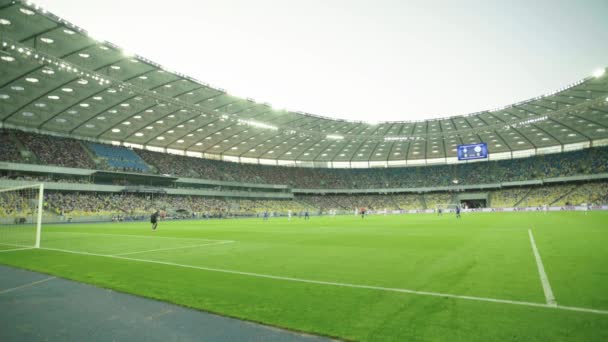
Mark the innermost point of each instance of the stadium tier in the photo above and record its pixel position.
(69, 152)
(55, 150)
(103, 206)
(119, 158)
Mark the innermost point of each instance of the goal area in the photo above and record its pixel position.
(21, 216)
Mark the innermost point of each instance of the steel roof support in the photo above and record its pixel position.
(570, 128)
(72, 104)
(94, 115)
(208, 135)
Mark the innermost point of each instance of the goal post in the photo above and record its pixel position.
(39, 214)
(21, 210)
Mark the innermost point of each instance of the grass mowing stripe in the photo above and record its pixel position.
(541, 272)
(174, 248)
(27, 285)
(321, 282)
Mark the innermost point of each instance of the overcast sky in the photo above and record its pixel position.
(361, 60)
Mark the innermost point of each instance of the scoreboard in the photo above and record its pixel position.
(472, 151)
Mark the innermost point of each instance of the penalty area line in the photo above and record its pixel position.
(139, 236)
(174, 248)
(544, 279)
(16, 249)
(330, 283)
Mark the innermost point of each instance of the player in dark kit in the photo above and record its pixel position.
(154, 220)
(457, 211)
(362, 212)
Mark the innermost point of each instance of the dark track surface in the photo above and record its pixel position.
(38, 307)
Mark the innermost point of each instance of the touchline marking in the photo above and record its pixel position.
(174, 248)
(541, 272)
(330, 283)
(26, 285)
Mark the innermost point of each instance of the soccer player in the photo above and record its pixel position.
(306, 215)
(154, 220)
(362, 212)
(288, 215)
(458, 211)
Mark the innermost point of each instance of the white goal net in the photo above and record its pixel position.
(21, 216)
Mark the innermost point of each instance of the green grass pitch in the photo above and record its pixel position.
(343, 276)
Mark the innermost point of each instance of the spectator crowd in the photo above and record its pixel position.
(71, 153)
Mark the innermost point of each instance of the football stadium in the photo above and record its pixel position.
(138, 203)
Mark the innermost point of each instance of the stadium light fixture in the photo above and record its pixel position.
(335, 137)
(258, 124)
(401, 138)
(26, 11)
(599, 73)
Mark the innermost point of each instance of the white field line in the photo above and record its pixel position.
(15, 249)
(137, 236)
(541, 272)
(15, 245)
(174, 248)
(331, 283)
(26, 285)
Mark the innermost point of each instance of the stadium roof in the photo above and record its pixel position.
(55, 78)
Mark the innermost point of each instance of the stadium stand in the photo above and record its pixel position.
(437, 200)
(409, 201)
(546, 195)
(50, 150)
(508, 198)
(8, 147)
(138, 205)
(119, 158)
(11, 203)
(590, 194)
(349, 203)
(588, 161)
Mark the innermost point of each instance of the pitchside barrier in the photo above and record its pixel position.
(492, 210)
